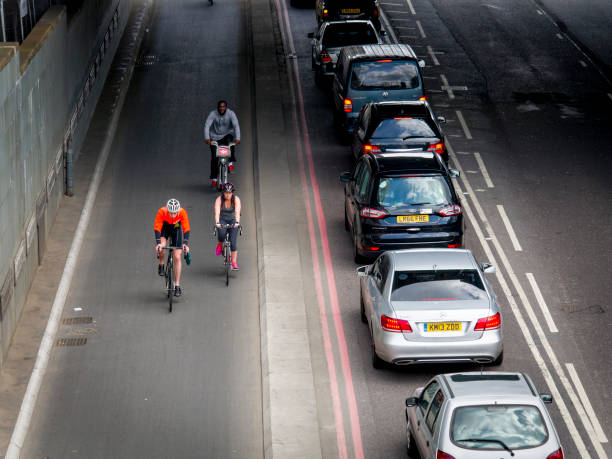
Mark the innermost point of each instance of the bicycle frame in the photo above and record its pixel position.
(169, 276)
(223, 154)
(227, 249)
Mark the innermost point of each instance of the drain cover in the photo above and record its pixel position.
(62, 342)
(77, 320)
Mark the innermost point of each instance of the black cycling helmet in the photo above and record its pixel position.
(228, 188)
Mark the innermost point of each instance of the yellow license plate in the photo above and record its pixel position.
(442, 326)
(350, 11)
(413, 218)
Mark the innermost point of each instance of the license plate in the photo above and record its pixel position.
(442, 326)
(413, 218)
(223, 151)
(350, 11)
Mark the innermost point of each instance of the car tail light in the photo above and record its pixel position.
(348, 105)
(370, 149)
(437, 148)
(325, 13)
(384, 60)
(443, 455)
(488, 323)
(454, 246)
(371, 248)
(556, 455)
(375, 12)
(394, 325)
(368, 212)
(324, 56)
(449, 211)
(423, 98)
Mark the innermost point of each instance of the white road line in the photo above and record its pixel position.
(447, 87)
(405, 27)
(433, 56)
(586, 402)
(464, 126)
(545, 311)
(398, 11)
(559, 36)
(483, 169)
(535, 325)
(508, 225)
(418, 23)
(411, 7)
(391, 34)
(540, 12)
(584, 64)
(610, 96)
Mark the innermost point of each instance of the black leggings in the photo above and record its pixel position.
(214, 169)
(233, 232)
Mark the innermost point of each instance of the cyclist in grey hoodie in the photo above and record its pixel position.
(221, 126)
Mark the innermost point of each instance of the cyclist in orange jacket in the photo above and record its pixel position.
(172, 222)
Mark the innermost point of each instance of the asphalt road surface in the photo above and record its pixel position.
(148, 383)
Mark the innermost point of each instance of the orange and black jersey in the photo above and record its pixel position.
(164, 223)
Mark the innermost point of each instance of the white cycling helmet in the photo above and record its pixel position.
(173, 205)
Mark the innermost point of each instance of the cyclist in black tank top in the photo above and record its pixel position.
(227, 211)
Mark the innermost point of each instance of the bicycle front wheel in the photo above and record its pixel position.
(170, 286)
(228, 264)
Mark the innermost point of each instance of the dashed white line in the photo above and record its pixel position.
(464, 126)
(447, 87)
(584, 64)
(484, 171)
(433, 56)
(540, 12)
(411, 7)
(586, 403)
(418, 23)
(545, 311)
(508, 225)
(390, 33)
(559, 36)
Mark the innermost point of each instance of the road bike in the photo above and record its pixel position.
(223, 154)
(169, 276)
(227, 248)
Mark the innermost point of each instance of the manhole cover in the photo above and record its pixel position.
(62, 342)
(146, 60)
(77, 320)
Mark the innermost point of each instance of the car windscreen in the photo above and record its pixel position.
(385, 74)
(517, 426)
(348, 34)
(410, 191)
(438, 285)
(403, 128)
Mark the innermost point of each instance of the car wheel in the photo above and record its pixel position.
(356, 255)
(312, 63)
(364, 319)
(499, 359)
(318, 80)
(411, 447)
(377, 362)
(346, 223)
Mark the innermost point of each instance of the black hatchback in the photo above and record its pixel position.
(401, 201)
(398, 127)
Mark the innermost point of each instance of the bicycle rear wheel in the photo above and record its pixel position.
(228, 263)
(170, 280)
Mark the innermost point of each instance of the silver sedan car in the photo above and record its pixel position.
(430, 306)
(331, 37)
(480, 415)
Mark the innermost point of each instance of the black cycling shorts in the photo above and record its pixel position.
(173, 233)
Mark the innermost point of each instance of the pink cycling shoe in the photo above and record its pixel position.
(235, 267)
(218, 250)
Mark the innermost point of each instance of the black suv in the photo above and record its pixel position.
(401, 201)
(398, 127)
(332, 10)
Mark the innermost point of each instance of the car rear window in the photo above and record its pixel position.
(436, 285)
(403, 128)
(482, 427)
(385, 74)
(400, 192)
(348, 34)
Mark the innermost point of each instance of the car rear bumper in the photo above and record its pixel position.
(443, 240)
(394, 348)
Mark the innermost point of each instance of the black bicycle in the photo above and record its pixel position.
(227, 249)
(223, 154)
(169, 277)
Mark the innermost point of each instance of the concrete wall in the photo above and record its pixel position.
(49, 86)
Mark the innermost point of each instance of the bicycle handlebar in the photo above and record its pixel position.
(227, 226)
(216, 144)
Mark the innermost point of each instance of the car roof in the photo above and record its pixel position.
(398, 163)
(379, 52)
(489, 384)
(347, 21)
(424, 259)
(403, 108)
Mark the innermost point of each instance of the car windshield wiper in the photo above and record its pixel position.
(489, 440)
(419, 203)
(412, 137)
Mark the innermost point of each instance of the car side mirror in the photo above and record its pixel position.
(422, 63)
(383, 33)
(363, 271)
(546, 398)
(488, 268)
(441, 119)
(346, 177)
(454, 173)
(310, 34)
(411, 401)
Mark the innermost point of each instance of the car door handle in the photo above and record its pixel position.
(427, 443)
(418, 423)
